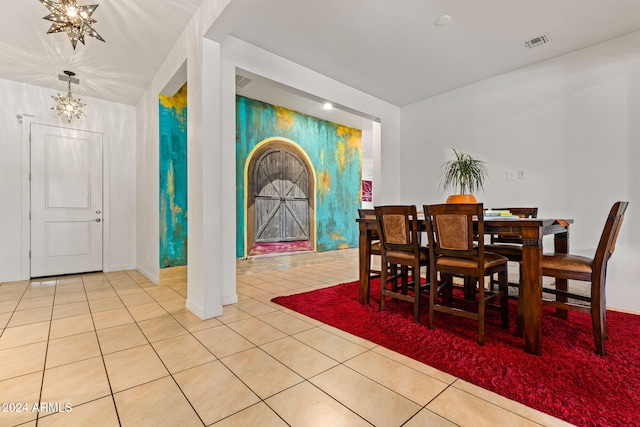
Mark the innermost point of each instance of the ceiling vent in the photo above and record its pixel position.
(242, 81)
(538, 41)
(67, 78)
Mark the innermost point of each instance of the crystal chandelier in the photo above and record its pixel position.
(68, 106)
(75, 20)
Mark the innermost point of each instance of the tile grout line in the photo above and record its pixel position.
(46, 351)
(104, 364)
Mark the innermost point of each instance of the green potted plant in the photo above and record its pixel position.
(464, 175)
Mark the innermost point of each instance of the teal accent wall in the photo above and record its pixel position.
(173, 179)
(335, 152)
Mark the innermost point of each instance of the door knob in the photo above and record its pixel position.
(98, 220)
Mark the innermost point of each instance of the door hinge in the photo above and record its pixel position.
(29, 176)
(29, 215)
(29, 254)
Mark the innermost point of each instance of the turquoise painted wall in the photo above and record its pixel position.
(335, 152)
(173, 179)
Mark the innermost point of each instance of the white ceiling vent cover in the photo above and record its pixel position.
(538, 41)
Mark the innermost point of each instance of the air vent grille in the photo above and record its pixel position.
(242, 81)
(538, 41)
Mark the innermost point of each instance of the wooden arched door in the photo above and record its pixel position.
(281, 195)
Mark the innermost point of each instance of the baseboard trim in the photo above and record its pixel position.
(148, 275)
(204, 314)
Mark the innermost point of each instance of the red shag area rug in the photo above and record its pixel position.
(568, 381)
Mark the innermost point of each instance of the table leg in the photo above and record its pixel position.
(561, 245)
(531, 288)
(364, 253)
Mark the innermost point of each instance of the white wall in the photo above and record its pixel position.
(571, 123)
(204, 289)
(116, 121)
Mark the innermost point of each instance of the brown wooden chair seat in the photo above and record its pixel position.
(398, 229)
(592, 270)
(453, 252)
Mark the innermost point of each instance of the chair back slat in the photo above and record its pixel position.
(398, 228)
(369, 214)
(450, 229)
(366, 213)
(452, 232)
(609, 236)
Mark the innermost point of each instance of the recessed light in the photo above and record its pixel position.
(443, 20)
(327, 106)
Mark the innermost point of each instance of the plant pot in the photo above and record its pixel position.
(462, 198)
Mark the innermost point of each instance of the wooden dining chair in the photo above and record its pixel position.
(400, 238)
(452, 251)
(375, 247)
(592, 270)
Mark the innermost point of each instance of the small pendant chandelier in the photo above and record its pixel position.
(74, 20)
(68, 106)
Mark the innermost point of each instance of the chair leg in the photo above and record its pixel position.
(561, 285)
(470, 288)
(603, 304)
(393, 270)
(447, 289)
(598, 313)
(503, 286)
(405, 278)
(481, 311)
(433, 294)
(383, 282)
(416, 293)
(520, 315)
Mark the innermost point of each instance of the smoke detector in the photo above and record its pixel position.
(538, 41)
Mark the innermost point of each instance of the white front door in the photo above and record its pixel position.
(66, 200)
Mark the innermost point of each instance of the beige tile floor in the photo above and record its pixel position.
(114, 349)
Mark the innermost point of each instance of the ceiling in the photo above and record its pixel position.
(389, 49)
(139, 35)
(394, 51)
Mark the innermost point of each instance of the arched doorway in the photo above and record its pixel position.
(280, 196)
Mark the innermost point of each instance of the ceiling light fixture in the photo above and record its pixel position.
(327, 106)
(74, 20)
(68, 106)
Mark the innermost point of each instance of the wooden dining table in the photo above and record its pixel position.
(532, 231)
